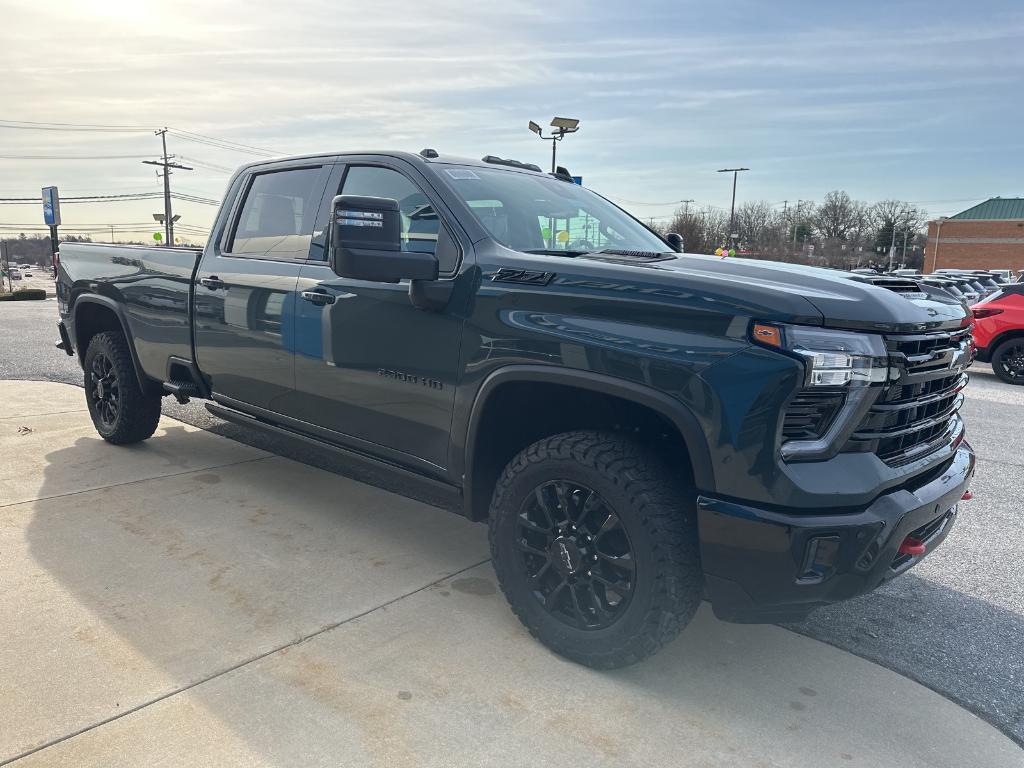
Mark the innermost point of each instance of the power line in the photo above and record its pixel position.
(110, 199)
(193, 199)
(212, 141)
(72, 157)
(27, 125)
(82, 198)
(208, 165)
(181, 133)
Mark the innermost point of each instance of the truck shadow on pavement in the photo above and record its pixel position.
(210, 582)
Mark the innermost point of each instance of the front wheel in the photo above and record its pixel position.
(594, 542)
(121, 412)
(1008, 361)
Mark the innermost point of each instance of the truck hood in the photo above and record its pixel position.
(841, 300)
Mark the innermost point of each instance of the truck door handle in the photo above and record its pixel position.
(318, 297)
(212, 282)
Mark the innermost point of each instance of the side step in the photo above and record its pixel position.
(182, 390)
(452, 496)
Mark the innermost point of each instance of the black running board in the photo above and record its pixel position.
(452, 495)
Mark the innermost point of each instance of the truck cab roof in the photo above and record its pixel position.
(423, 157)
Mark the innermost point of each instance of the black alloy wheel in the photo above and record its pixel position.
(576, 554)
(122, 412)
(1008, 361)
(105, 389)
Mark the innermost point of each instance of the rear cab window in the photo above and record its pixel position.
(277, 214)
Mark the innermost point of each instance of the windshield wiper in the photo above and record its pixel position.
(555, 252)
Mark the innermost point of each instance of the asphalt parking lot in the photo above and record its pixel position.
(954, 623)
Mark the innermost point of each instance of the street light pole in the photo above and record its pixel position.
(732, 208)
(562, 126)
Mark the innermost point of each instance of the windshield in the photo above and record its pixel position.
(530, 212)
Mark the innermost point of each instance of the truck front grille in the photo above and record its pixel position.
(917, 412)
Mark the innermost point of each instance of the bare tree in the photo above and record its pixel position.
(839, 232)
(702, 230)
(836, 216)
(896, 222)
(763, 230)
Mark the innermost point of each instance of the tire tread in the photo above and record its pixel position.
(140, 411)
(654, 494)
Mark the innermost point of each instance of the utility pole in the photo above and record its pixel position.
(732, 208)
(892, 245)
(166, 162)
(111, 233)
(796, 222)
(686, 208)
(4, 262)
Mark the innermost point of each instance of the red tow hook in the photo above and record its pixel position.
(912, 547)
(967, 496)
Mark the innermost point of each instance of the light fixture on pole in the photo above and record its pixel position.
(732, 208)
(561, 126)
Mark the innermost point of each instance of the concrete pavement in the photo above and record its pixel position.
(196, 601)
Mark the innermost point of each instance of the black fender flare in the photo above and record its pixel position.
(677, 413)
(108, 303)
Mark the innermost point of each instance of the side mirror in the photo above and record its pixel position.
(675, 240)
(366, 242)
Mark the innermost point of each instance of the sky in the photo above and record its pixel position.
(920, 101)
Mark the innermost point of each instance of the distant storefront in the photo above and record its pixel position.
(988, 236)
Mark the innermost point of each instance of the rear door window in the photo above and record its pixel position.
(277, 215)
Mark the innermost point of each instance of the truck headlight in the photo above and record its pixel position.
(832, 358)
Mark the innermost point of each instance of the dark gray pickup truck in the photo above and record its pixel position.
(641, 428)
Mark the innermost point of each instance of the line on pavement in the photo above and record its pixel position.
(48, 413)
(239, 665)
(141, 480)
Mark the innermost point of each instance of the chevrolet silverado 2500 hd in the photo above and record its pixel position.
(639, 427)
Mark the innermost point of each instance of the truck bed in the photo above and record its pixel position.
(150, 284)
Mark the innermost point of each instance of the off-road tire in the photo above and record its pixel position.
(658, 513)
(998, 355)
(138, 412)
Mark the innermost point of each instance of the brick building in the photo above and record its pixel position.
(988, 236)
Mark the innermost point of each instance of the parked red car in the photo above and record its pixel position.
(999, 332)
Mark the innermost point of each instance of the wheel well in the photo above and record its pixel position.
(92, 318)
(1005, 336)
(517, 414)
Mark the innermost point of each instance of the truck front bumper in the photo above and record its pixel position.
(766, 566)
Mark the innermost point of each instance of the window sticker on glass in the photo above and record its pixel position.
(461, 173)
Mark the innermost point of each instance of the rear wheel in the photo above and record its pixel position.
(594, 544)
(121, 412)
(1008, 361)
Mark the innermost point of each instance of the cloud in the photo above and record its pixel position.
(667, 91)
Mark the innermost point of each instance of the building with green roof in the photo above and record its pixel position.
(989, 235)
